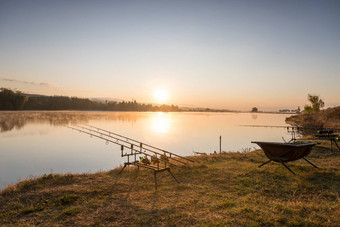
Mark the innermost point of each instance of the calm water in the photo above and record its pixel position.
(35, 143)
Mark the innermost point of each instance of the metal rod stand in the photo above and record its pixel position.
(336, 144)
(162, 170)
(122, 169)
(287, 167)
(310, 163)
(264, 163)
(173, 176)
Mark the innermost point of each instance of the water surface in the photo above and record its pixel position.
(36, 143)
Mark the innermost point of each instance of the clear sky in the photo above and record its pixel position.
(218, 54)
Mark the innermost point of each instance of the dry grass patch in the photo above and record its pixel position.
(218, 190)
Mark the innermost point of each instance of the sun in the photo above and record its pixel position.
(161, 95)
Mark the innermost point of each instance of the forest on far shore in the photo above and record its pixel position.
(16, 100)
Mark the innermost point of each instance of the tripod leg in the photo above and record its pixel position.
(337, 144)
(173, 175)
(265, 163)
(122, 169)
(310, 163)
(287, 168)
(155, 174)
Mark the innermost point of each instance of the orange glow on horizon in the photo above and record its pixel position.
(161, 95)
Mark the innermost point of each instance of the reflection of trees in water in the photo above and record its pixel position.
(10, 120)
(254, 116)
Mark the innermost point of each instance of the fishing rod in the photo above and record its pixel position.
(159, 162)
(136, 141)
(127, 141)
(108, 136)
(293, 127)
(123, 146)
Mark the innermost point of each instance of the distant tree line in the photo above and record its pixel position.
(10, 100)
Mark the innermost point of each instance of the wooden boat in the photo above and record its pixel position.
(286, 152)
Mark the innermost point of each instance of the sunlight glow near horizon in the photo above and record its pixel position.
(161, 95)
(214, 54)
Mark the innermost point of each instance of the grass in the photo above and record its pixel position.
(327, 118)
(218, 190)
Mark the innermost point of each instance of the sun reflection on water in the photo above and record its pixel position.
(161, 123)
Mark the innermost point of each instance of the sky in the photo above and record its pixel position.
(235, 55)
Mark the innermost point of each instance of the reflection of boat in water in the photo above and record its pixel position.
(286, 152)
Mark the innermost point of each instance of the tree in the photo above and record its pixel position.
(254, 109)
(316, 104)
(298, 109)
(10, 100)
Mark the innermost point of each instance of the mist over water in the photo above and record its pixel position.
(38, 142)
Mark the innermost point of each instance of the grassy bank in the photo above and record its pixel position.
(226, 189)
(328, 118)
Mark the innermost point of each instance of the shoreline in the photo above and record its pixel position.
(129, 111)
(219, 189)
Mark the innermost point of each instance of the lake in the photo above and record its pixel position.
(34, 143)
